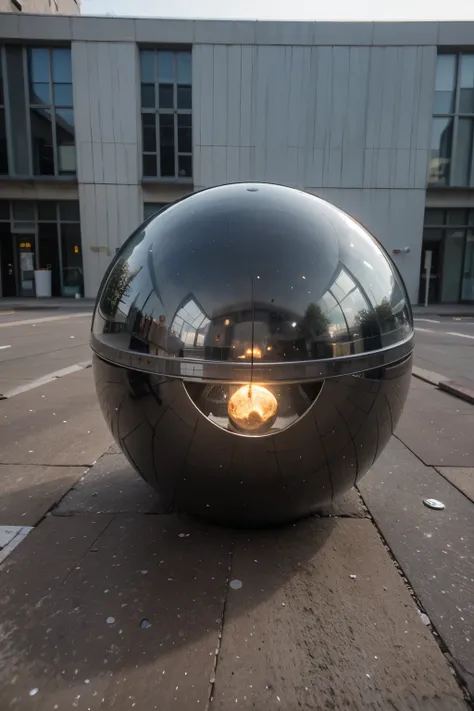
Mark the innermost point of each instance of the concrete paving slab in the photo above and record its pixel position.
(350, 505)
(438, 428)
(131, 616)
(28, 491)
(461, 477)
(111, 486)
(302, 632)
(434, 548)
(57, 424)
(10, 538)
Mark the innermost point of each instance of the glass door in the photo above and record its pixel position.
(467, 289)
(25, 247)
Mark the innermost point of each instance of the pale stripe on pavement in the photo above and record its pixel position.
(45, 319)
(45, 379)
(462, 335)
(426, 320)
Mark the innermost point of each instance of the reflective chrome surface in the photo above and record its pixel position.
(252, 275)
(206, 470)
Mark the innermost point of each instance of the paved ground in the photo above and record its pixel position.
(445, 345)
(36, 343)
(109, 603)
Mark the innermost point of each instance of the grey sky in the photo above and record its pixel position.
(287, 9)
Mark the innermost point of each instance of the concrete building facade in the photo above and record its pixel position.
(376, 117)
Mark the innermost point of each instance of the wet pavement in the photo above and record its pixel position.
(111, 602)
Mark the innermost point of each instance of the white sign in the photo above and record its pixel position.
(26, 261)
(428, 256)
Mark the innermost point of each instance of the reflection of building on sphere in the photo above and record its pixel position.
(258, 375)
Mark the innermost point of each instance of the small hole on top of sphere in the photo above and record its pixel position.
(252, 190)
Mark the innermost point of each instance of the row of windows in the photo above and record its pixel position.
(452, 156)
(37, 117)
(166, 104)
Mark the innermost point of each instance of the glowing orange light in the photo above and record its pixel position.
(227, 322)
(252, 406)
(257, 353)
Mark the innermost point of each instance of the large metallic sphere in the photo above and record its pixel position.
(252, 352)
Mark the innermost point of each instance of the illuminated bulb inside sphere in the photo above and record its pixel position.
(252, 406)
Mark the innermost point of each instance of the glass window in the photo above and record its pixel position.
(149, 165)
(185, 166)
(3, 129)
(147, 66)
(457, 217)
(149, 133)
(184, 68)
(39, 94)
(166, 67)
(39, 65)
(148, 96)
(467, 287)
(65, 142)
(1, 81)
(62, 94)
(453, 121)
(184, 97)
(440, 150)
(166, 99)
(445, 82)
(47, 210)
(62, 71)
(466, 84)
(166, 94)
(52, 117)
(4, 210)
(20, 159)
(42, 142)
(3, 144)
(69, 211)
(453, 250)
(185, 139)
(23, 210)
(462, 155)
(434, 216)
(167, 145)
(71, 254)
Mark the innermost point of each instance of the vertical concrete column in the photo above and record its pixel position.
(106, 111)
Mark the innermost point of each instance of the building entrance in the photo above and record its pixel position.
(449, 236)
(42, 235)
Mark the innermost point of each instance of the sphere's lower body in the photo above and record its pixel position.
(204, 470)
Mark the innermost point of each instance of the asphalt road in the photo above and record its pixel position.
(445, 345)
(34, 344)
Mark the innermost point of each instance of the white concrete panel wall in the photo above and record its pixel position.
(106, 111)
(335, 117)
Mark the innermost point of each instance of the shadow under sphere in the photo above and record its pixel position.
(242, 285)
